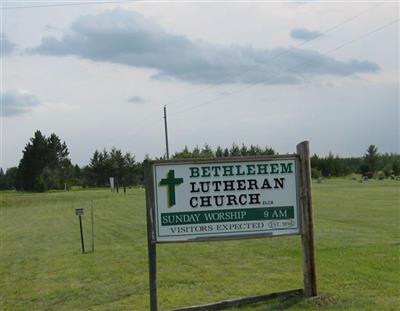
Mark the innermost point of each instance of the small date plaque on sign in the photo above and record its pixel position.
(79, 211)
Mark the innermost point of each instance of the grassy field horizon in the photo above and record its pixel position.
(357, 241)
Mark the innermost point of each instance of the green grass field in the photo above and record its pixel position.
(42, 268)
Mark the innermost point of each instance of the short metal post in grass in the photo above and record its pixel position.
(79, 212)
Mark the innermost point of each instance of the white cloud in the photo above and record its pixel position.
(126, 37)
(304, 34)
(136, 100)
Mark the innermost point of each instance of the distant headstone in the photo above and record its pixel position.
(112, 184)
(319, 180)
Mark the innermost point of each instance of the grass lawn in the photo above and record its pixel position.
(42, 268)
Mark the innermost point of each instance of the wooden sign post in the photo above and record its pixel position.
(79, 213)
(231, 198)
(307, 233)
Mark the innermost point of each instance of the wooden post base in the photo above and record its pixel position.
(243, 301)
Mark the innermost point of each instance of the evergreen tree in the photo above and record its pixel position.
(44, 164)
(10, 178)
(371, 158)
(207, 152)
(196, 152)
(219, 153)
(2, 179)
(101, 168)
(268, 151)
(226, 152)
(254, 150)
(396, 167)
(234, 151)
(184, 154)
(243, 150)
(104, 165)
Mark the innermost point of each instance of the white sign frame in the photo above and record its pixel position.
(159, 203)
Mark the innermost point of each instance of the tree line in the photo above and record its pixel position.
(372, 164)
(45, 165)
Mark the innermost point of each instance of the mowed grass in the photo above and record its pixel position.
(42, 268)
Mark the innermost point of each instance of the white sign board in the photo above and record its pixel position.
(217, 199)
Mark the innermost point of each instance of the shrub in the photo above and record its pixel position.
(40, 185)
(315, 173)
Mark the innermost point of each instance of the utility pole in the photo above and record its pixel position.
(166, 131)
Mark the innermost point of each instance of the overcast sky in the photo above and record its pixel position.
(271, 74)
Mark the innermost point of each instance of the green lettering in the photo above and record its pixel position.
(239, 170)
(251, 169)
(228, 170)
(194, 172)
(206, 171)
(274, 168)
(286, 168)
(216, 170)
(262, 169)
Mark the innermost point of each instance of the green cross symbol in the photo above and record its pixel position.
(171, 182)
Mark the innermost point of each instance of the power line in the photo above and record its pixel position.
(240, 90)
(71, 3)
(295, 67)
(330, 29)
(323, 33)
(149, 118)
(202, 90)
(291, 68)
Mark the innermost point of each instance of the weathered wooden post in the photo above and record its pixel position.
(307, 233)
(151, 236)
